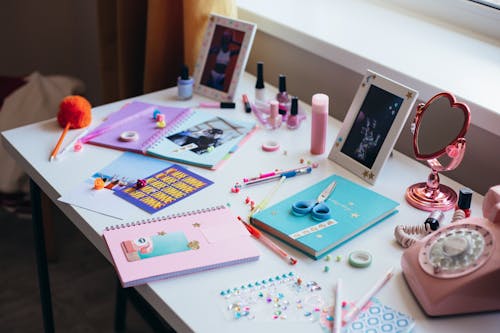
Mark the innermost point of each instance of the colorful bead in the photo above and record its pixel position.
(98, 184)
(78, 146)
(140, 183)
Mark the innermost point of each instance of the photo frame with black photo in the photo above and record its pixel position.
(372, 125)
(223, 57)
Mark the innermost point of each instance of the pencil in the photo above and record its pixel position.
(59, 142)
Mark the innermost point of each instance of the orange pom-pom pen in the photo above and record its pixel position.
(74, 112)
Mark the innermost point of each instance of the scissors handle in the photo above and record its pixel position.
(302, 207)
(320, 212)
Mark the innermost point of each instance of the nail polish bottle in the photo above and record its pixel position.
(275, 118)
(292, 121)
(319, 125)
(259, 85)
(282, 96)
(184, 84)
(464, 200)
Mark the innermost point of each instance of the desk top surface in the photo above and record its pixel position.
(193, 302)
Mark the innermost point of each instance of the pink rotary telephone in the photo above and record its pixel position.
(456, 269)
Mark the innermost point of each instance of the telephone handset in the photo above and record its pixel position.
(456, 269)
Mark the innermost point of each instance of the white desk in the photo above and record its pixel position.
(192, 302)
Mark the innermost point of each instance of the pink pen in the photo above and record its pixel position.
(261, 176)
(218, 105)
(268, 242)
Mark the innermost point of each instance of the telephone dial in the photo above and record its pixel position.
(456, 269)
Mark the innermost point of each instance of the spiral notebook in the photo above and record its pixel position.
(179, 244)
(203, 140)
(136, 117)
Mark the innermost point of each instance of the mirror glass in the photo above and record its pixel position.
(439, 126)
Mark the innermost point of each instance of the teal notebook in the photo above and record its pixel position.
(354, 208)
(203, 140)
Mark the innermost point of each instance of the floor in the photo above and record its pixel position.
(83, 283)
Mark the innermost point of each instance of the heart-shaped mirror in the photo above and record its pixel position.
(439, 139)
(441, 109)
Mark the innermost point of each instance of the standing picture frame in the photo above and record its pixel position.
(223, 56)
(372, 125)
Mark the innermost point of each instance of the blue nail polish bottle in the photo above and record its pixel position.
(185, 84)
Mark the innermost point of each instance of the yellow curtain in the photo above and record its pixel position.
(143, 44)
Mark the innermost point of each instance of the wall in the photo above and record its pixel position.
(308, 74)
(51, 37)
(60, 37)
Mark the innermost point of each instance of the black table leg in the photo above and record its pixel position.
(120, 308)
(41, 258)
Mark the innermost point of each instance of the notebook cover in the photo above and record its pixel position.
(197, 133)
(137, 116)
(354, 208)
(164, 247)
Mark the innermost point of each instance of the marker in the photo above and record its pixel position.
(337, 316)
(361, 303)
(248, 108)
(218, 105)
(269, 177)
(268, 242)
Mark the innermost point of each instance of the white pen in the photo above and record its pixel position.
(337, 316)
(361, 303)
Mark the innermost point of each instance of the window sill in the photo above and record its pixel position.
(362, 34)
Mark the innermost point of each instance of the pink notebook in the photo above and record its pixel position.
(164, 247)
(137, 117)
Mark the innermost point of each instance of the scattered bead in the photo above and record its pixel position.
(140, 183)
(338, 258)
(326, 269)
(315, 165)
(78, 146)
(98, 184)
(160, 117)
(344, 304)
(155, 114)
(235, 190)
(301, 160)
(328, 257)
(247, 200)
(210, 149)
(161, 124)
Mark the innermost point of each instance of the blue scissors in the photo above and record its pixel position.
(319, 211)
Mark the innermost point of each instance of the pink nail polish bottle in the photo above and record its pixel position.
(282, 96)
(292, 121)
(275, 119)
(319, 115)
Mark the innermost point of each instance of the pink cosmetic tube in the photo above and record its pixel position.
(319, 113)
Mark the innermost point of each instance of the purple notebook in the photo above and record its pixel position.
(137, 118)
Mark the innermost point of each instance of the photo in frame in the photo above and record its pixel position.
(372, 125)
(223, 56)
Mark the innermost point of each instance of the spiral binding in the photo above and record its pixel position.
(163, 218)
(458, 215)
(402, 233)
(154, 140)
